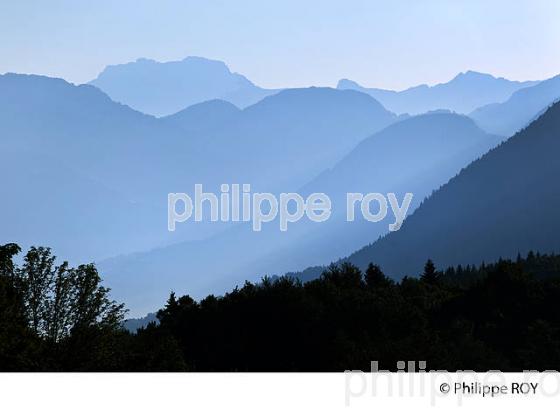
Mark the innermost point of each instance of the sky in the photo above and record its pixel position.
(288, 43)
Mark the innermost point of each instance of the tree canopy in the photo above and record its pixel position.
(495, 316)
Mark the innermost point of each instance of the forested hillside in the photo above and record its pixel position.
(504, 203)
(501, 316)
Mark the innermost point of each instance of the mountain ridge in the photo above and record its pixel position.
(165, 88)
(519, 109)
(479, 215)
(463, 93)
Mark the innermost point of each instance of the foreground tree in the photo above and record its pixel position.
(49, 303)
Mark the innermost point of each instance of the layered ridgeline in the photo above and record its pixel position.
(286, 139)
(464, 93)
(521, 108)
(204, 117)
(90, 177)
(505, 203)
(80, 169)
(116, 167)
(417, 156)
(414, 155)
(165, 88)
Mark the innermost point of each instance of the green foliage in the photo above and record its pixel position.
(49, 306)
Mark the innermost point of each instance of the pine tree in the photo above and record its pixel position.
(375, 278)
(430, 275)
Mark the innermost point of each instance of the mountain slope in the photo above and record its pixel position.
(165, 88)
(434, 147)
(464, 93)
(122, 163)
(276, 145)
(85, 130)
(286, 139)
(46, 203)
(416, 155)
(205, 117)
(86, 161)
(520, 109)
(504, 203)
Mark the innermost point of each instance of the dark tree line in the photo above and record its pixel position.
(498, 316)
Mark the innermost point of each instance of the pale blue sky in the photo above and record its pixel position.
(288, 43)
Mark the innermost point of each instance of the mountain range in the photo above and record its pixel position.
(162, 89)
(88, 174)
(106, 169)
(437, 145)
(81, 169)
(520, 109)
(463, 94)
(165, 88)
(416, 155)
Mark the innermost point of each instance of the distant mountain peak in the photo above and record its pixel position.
(309, 98)
(144, 60)
(465, 92)
(189, 60)
(474, 74)
(48, 88)
(344, 82)
(203, 60)
(164, 88)
(199, 119)
(519, 109)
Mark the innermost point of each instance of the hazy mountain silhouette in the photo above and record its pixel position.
(464, 93)
(205, 117)
(102, 171)
(86, 161)
(520, 109)
(46, 202)
(144, 157)
(165, 88)
(276, 145)
(504, 203)
(286, 139)
(415, 155)
(83, 129)
(113, 168)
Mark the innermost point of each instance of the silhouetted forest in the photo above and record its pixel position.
(499, 316)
